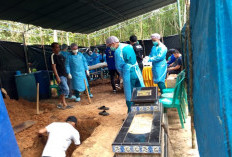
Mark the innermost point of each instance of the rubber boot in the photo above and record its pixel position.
(161, 86)
(77, 94)
(90, 94)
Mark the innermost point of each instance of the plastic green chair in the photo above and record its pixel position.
(175, 102)
(171, 90)
(168, 93)
(184, 101)
(54, 85)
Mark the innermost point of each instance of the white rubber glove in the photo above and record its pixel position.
(69, 76)
(87, 72)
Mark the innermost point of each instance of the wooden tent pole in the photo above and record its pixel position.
(190, 78)
(37, 101)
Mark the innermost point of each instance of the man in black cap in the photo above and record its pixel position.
(61, 135)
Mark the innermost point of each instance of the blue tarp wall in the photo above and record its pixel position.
(211, 35)
(8, 144)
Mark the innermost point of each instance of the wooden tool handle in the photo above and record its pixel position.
(37, 102)
(87, 92)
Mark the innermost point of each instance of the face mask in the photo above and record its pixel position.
(112, 48)
(155, 43)
(75, 51)
(97, 51)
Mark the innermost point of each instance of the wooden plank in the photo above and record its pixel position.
(37, 101)
(4, 92)
(22, 126)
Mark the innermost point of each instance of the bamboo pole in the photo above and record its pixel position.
(190, 97)
(37, 101)
(87, 92)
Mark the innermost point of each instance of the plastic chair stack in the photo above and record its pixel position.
(178, 99)
(171, 90)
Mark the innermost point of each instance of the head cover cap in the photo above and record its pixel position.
(95, 49)
(73, 45)
(155, 36)
(111, 40)
(72, 119)
(64, 46)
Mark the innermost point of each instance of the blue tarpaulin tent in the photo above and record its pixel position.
(211, 33)
(8, 144)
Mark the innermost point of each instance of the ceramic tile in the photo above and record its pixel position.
(137, 149)
(140, 143)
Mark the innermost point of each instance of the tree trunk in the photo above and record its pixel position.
(55, 36)
(95, 42)
(120, 31)
(141, 28)
(88, 41)
(67, 38)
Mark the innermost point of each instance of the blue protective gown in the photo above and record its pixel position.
(102, 59)
(76, 66)
(65, 54)
(96, 58)
(127, 66)
(85, 55)
(159, 64)
(88, 58)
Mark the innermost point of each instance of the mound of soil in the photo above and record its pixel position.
(97, 132)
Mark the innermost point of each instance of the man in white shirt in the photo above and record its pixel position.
(61, 135)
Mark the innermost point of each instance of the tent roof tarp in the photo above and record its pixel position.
(82, 16)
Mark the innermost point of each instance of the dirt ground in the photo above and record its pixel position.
(97, 132)
(181, 143)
